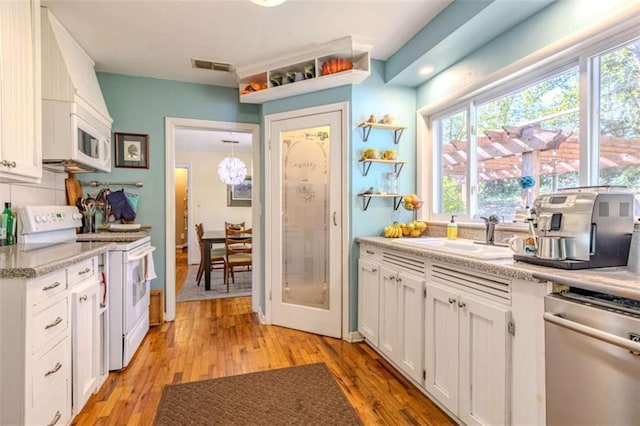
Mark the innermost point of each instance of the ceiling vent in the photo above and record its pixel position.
(210, 65)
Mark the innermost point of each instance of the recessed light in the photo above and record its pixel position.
(268, 3)
(426, 70)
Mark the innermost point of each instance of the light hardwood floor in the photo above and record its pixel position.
(218, 338)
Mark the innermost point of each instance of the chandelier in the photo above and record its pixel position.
(231, 170)
(268, 3)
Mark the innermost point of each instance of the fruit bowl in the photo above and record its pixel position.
(414, 229)
(415, 205)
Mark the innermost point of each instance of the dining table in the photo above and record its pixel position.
(209, 238)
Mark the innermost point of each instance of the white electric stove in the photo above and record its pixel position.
(130, 272)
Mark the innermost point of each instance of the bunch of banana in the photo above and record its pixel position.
(393, 231)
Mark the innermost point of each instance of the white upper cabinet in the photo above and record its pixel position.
(20, 111)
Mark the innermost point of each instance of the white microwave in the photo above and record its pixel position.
(74, 139)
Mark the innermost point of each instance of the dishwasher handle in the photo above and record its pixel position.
(593, 332)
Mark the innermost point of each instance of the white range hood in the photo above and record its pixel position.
(72, 101)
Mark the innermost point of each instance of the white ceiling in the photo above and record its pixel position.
(159, 38)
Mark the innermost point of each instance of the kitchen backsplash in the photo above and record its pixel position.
(471, 233)
(50, 192)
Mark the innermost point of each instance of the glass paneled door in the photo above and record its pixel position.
(306, 193)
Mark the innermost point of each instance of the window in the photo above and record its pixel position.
(535, 131)
(451, 190)
(619, 116)
(530, 132)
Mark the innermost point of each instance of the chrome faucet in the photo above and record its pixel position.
(490, 228)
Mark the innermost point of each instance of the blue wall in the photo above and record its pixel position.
(375, 97)
(140, 105)
(559, 20)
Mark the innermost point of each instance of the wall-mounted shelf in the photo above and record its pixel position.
(307, 67)
(366, 199)
(397, 165)
(396, 129)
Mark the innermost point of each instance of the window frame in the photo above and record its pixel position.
(585, 58)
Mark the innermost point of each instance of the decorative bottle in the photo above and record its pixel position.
(7, 236)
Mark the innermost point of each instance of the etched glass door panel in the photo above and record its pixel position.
(305, 198)
(305, 160)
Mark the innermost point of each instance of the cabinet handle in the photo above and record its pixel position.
(8, 163)
(54, 370)
(369, 252)
(12, 164)
(55, 418)
(83, 298)
(452, 300)
(51, 286)
(399, 279)
(335, 218)
(53, 324)
(392, 277)
(374, 270)
(84, 271)
(461, 304)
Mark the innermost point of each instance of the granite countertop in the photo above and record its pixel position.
(112, 236)
(21, 261)
(616, 280)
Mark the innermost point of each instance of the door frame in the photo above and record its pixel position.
(189, 221)
(343, 108)
(171, 124)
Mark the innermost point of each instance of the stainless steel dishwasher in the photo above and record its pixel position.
(592, 359)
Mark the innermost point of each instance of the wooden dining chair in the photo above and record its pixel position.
(218, 258)
(231, 225)
(238, 246)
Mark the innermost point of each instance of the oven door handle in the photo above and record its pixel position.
(136, 257)
(593, 332)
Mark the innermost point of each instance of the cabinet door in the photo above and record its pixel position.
(441, 345)
(368, 296)
(410, 320)
(484, 342)
(85, 342)
(388, 312)
(20, 111)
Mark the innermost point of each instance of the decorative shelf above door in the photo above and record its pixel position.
(306, 72)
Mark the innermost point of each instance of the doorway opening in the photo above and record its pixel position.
(205, 191)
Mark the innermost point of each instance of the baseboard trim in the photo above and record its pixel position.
(354, 337)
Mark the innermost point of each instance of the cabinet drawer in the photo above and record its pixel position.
(370, 252)
(41, 288)
(51, 390)
(49, 323)
(82, 271)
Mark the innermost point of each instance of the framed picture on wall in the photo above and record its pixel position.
(132, 150)
(239, 195)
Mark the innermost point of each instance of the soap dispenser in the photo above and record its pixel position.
(452, 229)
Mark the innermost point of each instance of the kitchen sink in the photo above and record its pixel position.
(466, 248)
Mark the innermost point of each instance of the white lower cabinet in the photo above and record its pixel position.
(401, 319)
(86, 345)
(390, 307)
(368, 297)
(466, 354)
(51, 339)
